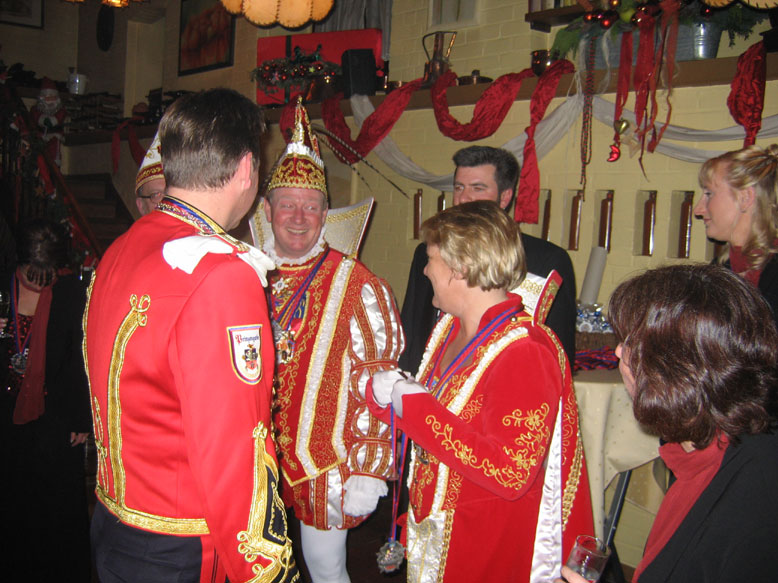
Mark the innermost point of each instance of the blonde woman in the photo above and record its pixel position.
(498, 486)
(739, 206)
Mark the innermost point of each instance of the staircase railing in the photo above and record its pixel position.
(24, 160)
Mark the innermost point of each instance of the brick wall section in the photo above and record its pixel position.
(499, 44)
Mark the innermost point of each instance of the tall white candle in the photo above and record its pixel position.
(593, 278)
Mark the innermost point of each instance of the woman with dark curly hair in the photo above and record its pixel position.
(699, 356)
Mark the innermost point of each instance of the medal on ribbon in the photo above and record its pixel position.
(19, 362)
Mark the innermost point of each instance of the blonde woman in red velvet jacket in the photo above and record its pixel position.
(498, 486)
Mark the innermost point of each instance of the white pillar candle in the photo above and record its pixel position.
(593, 278)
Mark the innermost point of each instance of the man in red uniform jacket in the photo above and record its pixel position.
(179, 354)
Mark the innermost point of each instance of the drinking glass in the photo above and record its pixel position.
(588, 557)
(5, 309)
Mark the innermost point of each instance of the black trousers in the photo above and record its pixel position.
(43, 504)
(124, 554)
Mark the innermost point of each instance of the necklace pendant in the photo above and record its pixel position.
(421, 455)
(19, 362)
(284, 341)
(390, 556)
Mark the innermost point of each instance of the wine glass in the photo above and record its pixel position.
(5, 309)
(589, 557)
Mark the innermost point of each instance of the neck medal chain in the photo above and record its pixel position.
(291, 312)
(18, 359)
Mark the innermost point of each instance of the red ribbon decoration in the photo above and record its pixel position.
(489, 112)
(622, 91)
(374, 129)
(526, 207)
(642, 79)
(670, 10)
(746, 99)
(136, 150)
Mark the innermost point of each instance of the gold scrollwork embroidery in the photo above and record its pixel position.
(265, 535)
(472, 408)
(528, 453)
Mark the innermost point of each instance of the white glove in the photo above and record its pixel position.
(383, 383)
(362, 494)
(405, 387)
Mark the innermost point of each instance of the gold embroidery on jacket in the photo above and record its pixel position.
(472, 408)
(453, 490)
(529, 452)
(265, 535)
(102, 453)
(134, 319)
(545, 302)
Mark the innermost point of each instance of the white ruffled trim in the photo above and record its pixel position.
(270, 249)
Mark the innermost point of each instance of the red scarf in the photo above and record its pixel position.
(30, 401)
(741, 266)
(694, 471)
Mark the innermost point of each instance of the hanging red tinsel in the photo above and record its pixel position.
(746, 99)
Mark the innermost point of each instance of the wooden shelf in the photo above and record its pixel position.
(707, 72)
(543, 20)
(87, 137)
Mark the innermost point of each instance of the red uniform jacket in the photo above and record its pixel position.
(180, 368)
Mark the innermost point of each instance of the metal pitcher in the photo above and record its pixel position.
(438, 63)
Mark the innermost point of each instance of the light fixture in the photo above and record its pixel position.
(287, 13)
(111, 3)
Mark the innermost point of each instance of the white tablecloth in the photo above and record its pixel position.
(613, 441)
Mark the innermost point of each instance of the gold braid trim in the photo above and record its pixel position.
(571, 486)
(134, 319)
(265, 535)
(545, 302)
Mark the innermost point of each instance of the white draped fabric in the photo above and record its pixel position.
(553, 128)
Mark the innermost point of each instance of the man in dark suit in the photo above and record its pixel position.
(485, 173)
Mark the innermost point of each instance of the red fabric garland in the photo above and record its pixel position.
(374, 129)
(136, 150)
(746, 99)
(526, 208)
(489, 112)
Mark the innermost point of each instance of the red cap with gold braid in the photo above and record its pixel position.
(301, 165)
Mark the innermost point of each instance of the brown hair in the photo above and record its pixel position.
(480, 241)
(703, 349)
(204, 135)
(758, 168)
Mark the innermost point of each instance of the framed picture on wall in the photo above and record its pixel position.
(207, 36)
(22, 12)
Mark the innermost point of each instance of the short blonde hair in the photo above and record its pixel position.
(479, 241)
(754, 167)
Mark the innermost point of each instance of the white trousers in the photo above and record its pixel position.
(324, 552)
